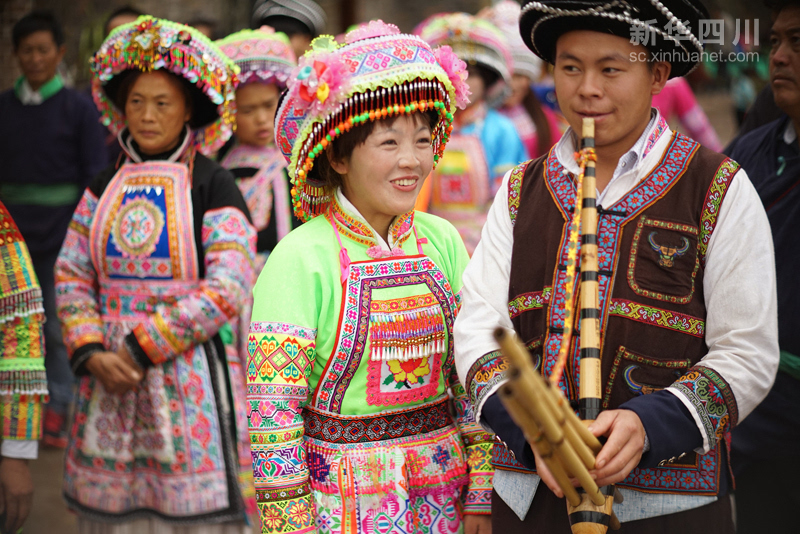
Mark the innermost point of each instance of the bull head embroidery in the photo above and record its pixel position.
(667, 255)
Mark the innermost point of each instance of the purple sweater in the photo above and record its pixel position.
(56, 143)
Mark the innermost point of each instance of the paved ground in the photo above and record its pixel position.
(50, 516)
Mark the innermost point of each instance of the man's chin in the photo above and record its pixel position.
(787, 101)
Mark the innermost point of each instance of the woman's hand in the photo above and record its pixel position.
(116, 371)
(477, 524)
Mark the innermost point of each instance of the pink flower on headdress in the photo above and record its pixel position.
(374, 28)
(457, 72)
(320, 79)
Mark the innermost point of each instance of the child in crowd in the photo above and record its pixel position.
(538, 126)
(483, 144)
(266, 60)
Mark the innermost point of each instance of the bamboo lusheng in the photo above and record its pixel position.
(537, 405)
(541, 404)
(589, 517)
(590, 387)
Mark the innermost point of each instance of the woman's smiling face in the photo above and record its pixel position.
(383, 176)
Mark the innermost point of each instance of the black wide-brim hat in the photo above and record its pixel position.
(673, 26)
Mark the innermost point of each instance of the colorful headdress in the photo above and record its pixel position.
(262, 55)
(473, 39)
(377, 73)
(306, 12)
(665, 26)
(505, 16)
(150, 44)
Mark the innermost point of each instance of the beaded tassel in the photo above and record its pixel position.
(406, 335)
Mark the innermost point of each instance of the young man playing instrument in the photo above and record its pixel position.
(686, 276)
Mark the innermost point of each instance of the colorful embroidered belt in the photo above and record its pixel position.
(502, 458)
(689, 475)
(335, 428)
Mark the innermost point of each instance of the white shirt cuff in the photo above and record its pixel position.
(22, 449)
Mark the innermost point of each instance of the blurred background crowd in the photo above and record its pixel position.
(733, 85)
(710, 105)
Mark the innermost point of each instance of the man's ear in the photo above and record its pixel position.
(660, 71)
(341, 166)
(61, 51)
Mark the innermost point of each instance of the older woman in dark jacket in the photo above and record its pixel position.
(158, 258)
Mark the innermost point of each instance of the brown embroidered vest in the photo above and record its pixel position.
(651, 256)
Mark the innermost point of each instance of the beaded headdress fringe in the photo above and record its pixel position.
(308, 195)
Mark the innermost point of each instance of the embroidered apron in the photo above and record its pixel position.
(145, 448)
(401, 469)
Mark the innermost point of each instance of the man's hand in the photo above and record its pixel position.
(477, 524)
(112, 369)
(616, 459)
(16, 493)
(622, 450)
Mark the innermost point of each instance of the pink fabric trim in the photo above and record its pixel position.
(420, 241)
(375, 252)
(344, 258)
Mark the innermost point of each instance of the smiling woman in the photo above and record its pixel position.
(381, 166)
(350, 364)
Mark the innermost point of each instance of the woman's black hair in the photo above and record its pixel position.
(288, 25)
(543, 133)
(488, 75)
(37, 21)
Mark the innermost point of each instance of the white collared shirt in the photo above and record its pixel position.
(28, 96)
(625, 177)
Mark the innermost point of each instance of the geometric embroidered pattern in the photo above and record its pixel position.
(503, 458)
(714, 198)
(364, 278)
(488, 371)
(701, 478)
(713, 400)
(514, 188)
(529, 301)
(280, 359)
(680, 322)
(377, 427)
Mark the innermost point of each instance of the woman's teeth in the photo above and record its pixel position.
(403, 183)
